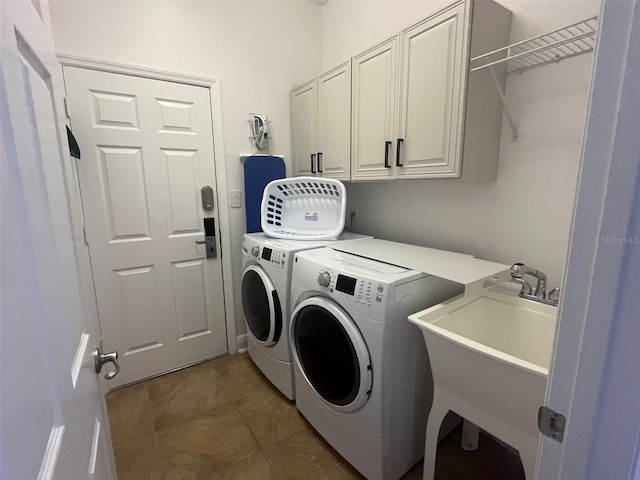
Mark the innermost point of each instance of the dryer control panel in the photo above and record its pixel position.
(359, 285)
(365, 292)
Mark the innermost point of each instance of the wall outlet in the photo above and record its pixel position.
(234, 199)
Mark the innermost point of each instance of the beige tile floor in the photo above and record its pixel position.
(222, 420)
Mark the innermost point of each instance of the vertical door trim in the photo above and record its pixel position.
(213, 84)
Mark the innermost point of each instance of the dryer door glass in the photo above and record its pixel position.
(331, 353)
(261, 306)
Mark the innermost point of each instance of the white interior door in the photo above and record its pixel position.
(147, 149)
(593, 380)
(52, 421)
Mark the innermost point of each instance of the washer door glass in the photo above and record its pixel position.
(261, 306)
(331, 353)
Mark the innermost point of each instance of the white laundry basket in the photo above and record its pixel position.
(303, 208)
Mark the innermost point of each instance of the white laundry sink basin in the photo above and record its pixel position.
(506, 327)
(490, 357)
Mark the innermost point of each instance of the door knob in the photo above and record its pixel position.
(210, 246)
(101, 358)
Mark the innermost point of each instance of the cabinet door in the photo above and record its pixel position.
(373, 112)
(304, 128)
(431, 106)
(334, 123)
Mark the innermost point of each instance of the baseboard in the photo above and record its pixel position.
(241, 343)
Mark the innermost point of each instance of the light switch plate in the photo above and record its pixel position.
(234, 199)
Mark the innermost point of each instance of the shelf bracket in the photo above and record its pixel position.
(514, 127)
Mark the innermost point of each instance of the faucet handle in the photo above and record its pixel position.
(554, 295)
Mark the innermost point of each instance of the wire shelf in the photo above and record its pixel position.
(560, 44)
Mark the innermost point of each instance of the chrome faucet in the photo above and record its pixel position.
(519, 270)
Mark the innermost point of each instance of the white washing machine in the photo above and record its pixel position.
(361, 370)
(266, 293)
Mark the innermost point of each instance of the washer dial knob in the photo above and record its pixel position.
(324, 279)
(255, 251)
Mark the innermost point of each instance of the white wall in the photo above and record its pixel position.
(526, 214)
(258, 50)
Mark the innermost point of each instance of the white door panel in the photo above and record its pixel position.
(50, 398)
(191, 306)
(148, 150)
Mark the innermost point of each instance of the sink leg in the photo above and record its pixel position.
(436, 415)
(470, 436)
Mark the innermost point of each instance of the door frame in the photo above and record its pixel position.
(215, 99)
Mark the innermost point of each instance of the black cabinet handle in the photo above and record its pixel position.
(319, 160)
(313, 157)
(400, 140)
(387, 145)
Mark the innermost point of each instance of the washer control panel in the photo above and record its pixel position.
(365, 292)
(276, 258)
(265, 255)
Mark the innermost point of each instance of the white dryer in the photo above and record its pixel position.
(266, 293)
(361, 371)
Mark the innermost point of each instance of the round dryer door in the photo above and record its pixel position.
(261, 306)
(331, 353)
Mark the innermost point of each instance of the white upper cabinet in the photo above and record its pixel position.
(431, 96)
(373, 111)
(334, 123)
(416, 109)
(304, 128)
(321, 125)
(408, 101)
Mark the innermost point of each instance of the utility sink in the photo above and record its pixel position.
(504, 326)
(490, 354)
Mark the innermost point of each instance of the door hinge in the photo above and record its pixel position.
(66, 107)
(84, 233)
(551, 423)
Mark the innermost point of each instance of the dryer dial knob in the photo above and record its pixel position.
(255, 251)
(324, 279)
